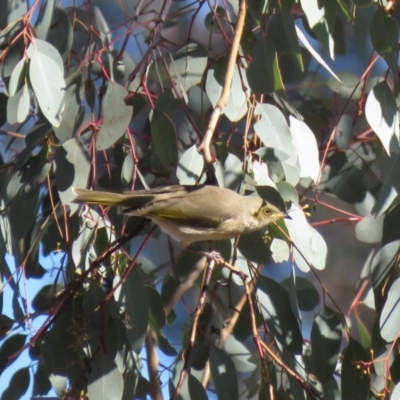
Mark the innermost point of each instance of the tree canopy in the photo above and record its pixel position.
(296, 102)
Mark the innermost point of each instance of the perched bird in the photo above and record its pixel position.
(191, 213)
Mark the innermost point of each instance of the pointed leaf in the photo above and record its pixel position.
(389, 321)
(105, 381)
(326, 337)
(223, 374)
(384, 33)
(164, 139)
(382, 116)
(277, 311)
(355, 376)
(116, 116)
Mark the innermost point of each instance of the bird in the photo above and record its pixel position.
(190, 213)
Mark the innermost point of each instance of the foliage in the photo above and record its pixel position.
(123, 99)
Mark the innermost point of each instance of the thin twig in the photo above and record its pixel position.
(193, 329)
(205, 144)
(153, 364)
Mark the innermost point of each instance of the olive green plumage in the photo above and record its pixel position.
(191, 213)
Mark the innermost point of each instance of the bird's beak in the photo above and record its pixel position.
(287, 216)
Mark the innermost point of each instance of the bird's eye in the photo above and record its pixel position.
(267, 211)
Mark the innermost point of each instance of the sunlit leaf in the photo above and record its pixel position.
(382, 115)
(46, 61)
(307, 149)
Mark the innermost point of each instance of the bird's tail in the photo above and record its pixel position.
(129, 200)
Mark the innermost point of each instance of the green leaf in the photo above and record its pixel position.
(263, 74)
(391, 184)
(46, 61)
(61, 34)
(321, 15)
(157, 319)
(382, 115)
(18, 106)
(116, 116)
(281, 29)
(44, 19)
(9, 347)
(72, 162)
(389, 321)
(307, 295)
(105, 381)
(344, 131)
(383, 262)
(133, 298)
(17, 77)
(275, 306)
(308, 241)
(223, 374)
(95, 312)
(128, 168)
(164, 139)
(384, 33)
(274, 131)
(23, 212)
(326, 337)
(356, 380)
(196, 389)
(190, 166)
(369, 229)
(188, 66)
(45, 298)
(396, 392)
(307, 149)
(240, 354)
(73, 113)
(18, 385)
(229, 169)
(254, 248)
(236, 106)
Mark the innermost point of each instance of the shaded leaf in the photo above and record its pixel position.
(383, 262)
(355, 377)
(326, 337)
(223, 374)
(104, 381)
(263, 74)
(164, 139)
(116, 116)
(18, 386)
(275, 306)
(384, 32)
(43, 21)
(72, 162)
(133, 297)
(10, 347)
(196, 389)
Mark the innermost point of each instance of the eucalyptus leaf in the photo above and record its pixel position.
(116, 116)
(46, 61)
